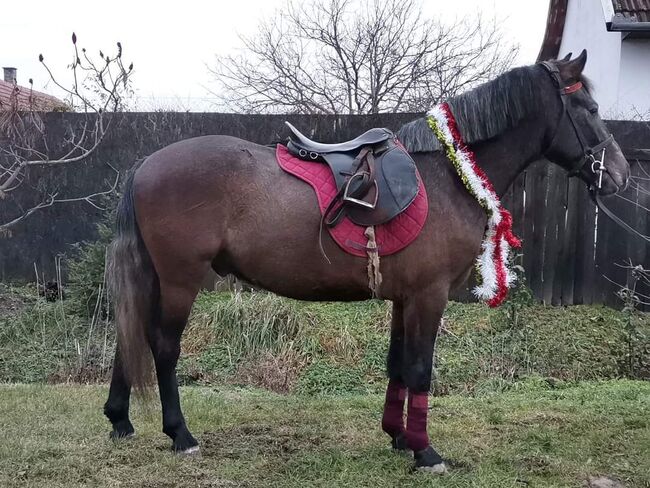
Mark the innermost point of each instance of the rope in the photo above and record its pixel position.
(374, 275)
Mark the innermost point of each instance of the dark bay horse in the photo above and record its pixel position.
(224, 203)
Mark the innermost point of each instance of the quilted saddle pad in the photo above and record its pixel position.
(393, 236)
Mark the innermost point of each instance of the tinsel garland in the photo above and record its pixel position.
(492, 263)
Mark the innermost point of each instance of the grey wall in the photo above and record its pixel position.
(51, 232)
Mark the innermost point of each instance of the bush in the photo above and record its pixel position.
(86, 273)
(45, 341)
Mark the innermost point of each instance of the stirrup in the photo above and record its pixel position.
(348, 198)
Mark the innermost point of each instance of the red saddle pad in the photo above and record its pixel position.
(391, 237)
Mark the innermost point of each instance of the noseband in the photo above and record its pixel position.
(589, 152)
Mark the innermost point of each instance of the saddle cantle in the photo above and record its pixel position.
(375, 177)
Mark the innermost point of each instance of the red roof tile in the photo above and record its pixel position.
(27, 99)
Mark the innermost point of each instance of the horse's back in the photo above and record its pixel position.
(203, 150)
(201, 165)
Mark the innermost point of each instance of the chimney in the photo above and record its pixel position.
(10, 75)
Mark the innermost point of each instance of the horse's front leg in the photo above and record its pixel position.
(422, 314)
(392, 421)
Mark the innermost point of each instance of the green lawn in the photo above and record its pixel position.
(532, 435)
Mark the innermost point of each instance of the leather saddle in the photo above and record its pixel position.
(376, 178)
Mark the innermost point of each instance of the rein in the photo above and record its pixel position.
(589, 152)
(611, 215)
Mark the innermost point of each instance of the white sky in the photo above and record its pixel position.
(170, 43)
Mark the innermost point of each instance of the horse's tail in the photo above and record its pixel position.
(135, 291)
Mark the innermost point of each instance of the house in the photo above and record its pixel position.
(616, 34)
(16, 97)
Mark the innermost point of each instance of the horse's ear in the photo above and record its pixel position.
(576, 66)
(567, 57)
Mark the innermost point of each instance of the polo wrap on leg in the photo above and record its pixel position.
(416, 424)
(393, 420)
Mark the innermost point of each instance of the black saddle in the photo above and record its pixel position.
(376, 179)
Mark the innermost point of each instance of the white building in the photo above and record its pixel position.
(616, 34)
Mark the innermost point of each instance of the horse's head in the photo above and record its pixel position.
(579, 141)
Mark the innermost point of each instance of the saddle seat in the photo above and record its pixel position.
(376, 179)
(368, 138)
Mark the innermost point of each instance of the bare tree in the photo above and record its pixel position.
(358, 56)
(98, 89)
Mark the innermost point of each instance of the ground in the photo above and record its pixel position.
(533, 435)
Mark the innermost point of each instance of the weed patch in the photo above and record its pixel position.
(259, 339)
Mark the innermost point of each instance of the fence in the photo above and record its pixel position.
(570, 253)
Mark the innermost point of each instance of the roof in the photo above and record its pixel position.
(632, 10)
(631, 17)
(28, 99)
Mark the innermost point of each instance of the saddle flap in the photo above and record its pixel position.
(397, 187)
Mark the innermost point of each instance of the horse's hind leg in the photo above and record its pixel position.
(165, 339)
(116, 407)
(422, 314)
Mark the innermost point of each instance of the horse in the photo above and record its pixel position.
(224, 203)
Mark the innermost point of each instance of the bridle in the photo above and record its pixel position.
(597, 165)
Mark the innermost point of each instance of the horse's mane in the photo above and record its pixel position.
(483, 112)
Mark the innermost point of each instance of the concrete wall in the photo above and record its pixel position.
(634, 80)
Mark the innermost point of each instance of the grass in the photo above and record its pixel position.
(341, 347)
(262, 340)
(46, 341)
(532, 435)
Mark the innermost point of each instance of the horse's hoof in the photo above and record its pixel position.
(429, 461)
(398, 444)
(439, 468)
(185, 444)
(122, 429)
(190, 451)
(117, 435)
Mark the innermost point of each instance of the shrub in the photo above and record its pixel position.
(86, 273)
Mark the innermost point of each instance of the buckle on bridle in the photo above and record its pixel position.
(601, 166)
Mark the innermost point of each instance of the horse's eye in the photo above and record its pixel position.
(593, 110)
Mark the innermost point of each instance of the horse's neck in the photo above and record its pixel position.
(506, 156)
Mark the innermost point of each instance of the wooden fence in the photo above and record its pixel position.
(571, 252)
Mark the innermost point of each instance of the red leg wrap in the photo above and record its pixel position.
(416, 427)
(393, 420)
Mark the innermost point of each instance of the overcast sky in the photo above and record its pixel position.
(171, 43)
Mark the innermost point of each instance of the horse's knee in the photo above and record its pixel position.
(416, 375)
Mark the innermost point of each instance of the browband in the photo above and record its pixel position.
(568, 90)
